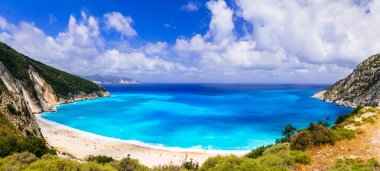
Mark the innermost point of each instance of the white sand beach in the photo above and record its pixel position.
(80, 144)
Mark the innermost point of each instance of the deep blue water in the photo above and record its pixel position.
(207, 116)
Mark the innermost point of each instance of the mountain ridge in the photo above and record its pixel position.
(360, 88)
(107, 79)
(28, 87)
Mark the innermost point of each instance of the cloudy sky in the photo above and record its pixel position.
(242, 41)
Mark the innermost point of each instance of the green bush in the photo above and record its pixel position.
(99, 159)
(315, 134)
(186, 165)
(230, 163)
(129, 164)
(278, 157)
(190, 165)
(321, 134)
(342, 133)
(14, 144)
(301, 140)
(28, 162)
(36, 146)
(277, 148)
(25, 157)
(288, 132)
(10, 145)
(168, 167)
(258, 152)
(341, 119)
(356, 164)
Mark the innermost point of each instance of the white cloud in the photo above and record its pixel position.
(292, 41)
(81, 50)
(120, 23)
(288, 39)
(221, 26)
(135, 63)
(315, 31)
(156, 48)
(191, 6)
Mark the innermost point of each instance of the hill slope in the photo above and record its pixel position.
(28, 86)
(361, 87)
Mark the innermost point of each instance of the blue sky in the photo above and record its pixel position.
(154, 17)
(233, 41)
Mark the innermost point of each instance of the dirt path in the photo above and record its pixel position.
(366, 145)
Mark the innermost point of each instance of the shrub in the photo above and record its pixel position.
(321, 134)
(342, 133)
(315, 134)
(35, 145)
(27, 161)
(288, 132)
(167, 167)
(299, 157)
(356, 164)
(129, 164)
(211, 162)
(258, 152)
(230, 162)
(277, 148)
(369, 120)
(278, 157)
(25, 157)
(99, 159)
(190, 165)
(341, 119)
(10, 145)
(301, 140)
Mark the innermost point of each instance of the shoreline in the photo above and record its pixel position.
(80, 144)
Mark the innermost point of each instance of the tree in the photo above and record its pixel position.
(289, 131)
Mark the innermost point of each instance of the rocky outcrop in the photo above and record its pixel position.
(24, 91)
(48, 99)
(361, 87)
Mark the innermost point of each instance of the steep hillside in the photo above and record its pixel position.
(28, 86)
(361, 87)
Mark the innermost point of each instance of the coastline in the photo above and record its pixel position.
(79, 144)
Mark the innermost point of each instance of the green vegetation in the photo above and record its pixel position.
(342, 133)
(288, 133)
(99, 159)
(320, 133)
(14, 144)
(315, 134)
(351, 119)
(13, 141)
(62, 82)
(28, 162)
(356, 164)
(129, 164)
(258, 152)
(277, 157)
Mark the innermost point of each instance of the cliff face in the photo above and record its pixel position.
(28, 86)
(361, 87)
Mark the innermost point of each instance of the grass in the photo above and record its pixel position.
(356, 164)
(342, 133)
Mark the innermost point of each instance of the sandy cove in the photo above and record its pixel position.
(80, 144)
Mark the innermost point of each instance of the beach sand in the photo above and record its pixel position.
(80, 144)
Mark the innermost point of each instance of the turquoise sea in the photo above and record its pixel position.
(206, 116)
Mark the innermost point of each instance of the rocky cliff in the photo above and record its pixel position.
(361, 87)
(28, 86)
